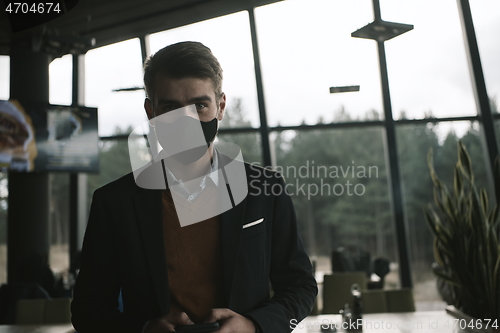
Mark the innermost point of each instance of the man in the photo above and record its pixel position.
(218, 269)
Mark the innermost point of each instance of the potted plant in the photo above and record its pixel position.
(466, 240)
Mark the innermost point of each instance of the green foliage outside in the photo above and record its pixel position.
(114, 162)
(249, 143)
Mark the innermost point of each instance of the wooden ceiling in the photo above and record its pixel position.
(111, 21)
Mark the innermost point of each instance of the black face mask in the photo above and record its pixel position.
(210, 129)
(180, 131)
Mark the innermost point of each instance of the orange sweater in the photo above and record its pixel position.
(194, 261)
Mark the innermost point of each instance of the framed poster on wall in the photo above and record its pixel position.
(48, 138)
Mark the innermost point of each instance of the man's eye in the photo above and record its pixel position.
(200, 106)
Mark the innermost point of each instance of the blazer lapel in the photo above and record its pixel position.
(148, 204)
(232, 221)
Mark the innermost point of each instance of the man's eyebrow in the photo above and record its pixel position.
(202, 98)
(197, 99)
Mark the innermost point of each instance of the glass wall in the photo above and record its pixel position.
(236, 115)
(59, 223)
(427, 66)
(114, 162)
(485, 14)
(306, 48)
(249, 144)
(5, 77)
(497, 128)
(60, 92)
(414, 143)
(4, 192)
(338, 182)
(110, 68)
(60, 80)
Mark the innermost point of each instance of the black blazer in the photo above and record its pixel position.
(124, 249)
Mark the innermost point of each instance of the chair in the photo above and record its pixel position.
(337, 290)
(57, 311)
(41, 311)
(400, 300)
(30, 311)
(11, 293)
(391, 300)
(374, 301)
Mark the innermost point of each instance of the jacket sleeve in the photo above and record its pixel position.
(95, 297)
(291, 276)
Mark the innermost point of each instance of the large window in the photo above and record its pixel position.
(338, 182)
(4, 94)
(486, 16)
(59, 223)
(60, 92)
(114, 162)
(60, 80)
(5, 77)
(414, 143)
(306, 48)
(111, 68)
(428, 70)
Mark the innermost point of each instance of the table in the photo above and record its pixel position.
(405, 322)
(63, 328)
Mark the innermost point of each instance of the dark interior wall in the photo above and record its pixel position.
(27, 224)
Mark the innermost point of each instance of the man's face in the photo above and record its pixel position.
(170, 94)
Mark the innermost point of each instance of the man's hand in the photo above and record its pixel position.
(167, 322)
(231, 322)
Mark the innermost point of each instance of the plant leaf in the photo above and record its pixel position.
(464, 161)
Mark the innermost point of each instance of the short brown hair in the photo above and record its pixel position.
(181, 60)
